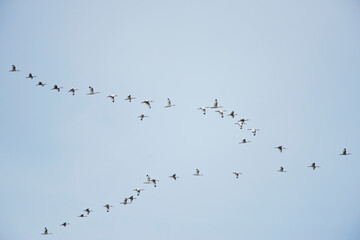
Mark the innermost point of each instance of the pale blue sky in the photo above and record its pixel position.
(291, 67)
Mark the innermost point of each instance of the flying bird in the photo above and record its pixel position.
(240, 124)
(107, 206)
(125, 202)
(13, 69)
(88, 211)
(203, 109)
(31, 76)
(129, 98)
(131, 198)
(243, 120)
(244, 141)
(41, 84)
(148, 181)
(56, 88)
(142, 116)
(147, 102)
(82, 215)
(169, 104)
(112, 96)
(254, 130)
(344, 153)
(313, 166)
(73, 91)
(46, 232)
(237, 174)
(197, 173)
(138, 190)
(174, 176)
(216, 104)
(221, 112)
(91, 91)
(281, 169)
(281, 148)
(232, 114)
(64, 224)
(154, 181)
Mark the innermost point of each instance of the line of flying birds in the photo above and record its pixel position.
(153, 181)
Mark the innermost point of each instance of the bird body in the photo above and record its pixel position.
(174, 176)
(216, 105)
(203, 109)
(344, 153)
(142, 116)
(169, 104)
(64, 224)
(281, 148)
(244, 141)
(107, 206)
(221, 112)
(91, 91)
(73, 91)
(56, 88)
(232, 114)
(197, 173)
(129, 98)
(41, 84)
(13, 69)
(313, 166)
(112, 96)
(254, 130)
(88, 211)
(147, 102)
(30, 76)
(281, 169)
(46, 232)
(237, 174)
(138, 190)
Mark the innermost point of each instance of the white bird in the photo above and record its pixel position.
(142, 116)
(147, 102)
(281, 148)
(107, 206)
(197, 173)
(91, 91)
(174, 176)
(56, 88)
(138, 190)
(203, 109)
(169, 104)
(281, 169)
(148, 180)
(344, 153)
(254, 130)
(129, 98)
(31, 76)
(41, 84)
(154, 181)
(112, 96)
(216, 104)
(46, 232)
(237, 174)
(73, 91)
(313, 166)
(13, 69)
(240, 124)
(221, 112)
(64, 224)
(125, 202)
(88, 211)
(232, 114)
(244, 141)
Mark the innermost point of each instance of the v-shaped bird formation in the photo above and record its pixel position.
(216, 107)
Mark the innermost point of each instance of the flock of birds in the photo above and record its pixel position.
(216, 106)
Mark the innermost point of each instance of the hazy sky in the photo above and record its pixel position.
(291, 67)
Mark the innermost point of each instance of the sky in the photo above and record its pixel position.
(291, 67)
